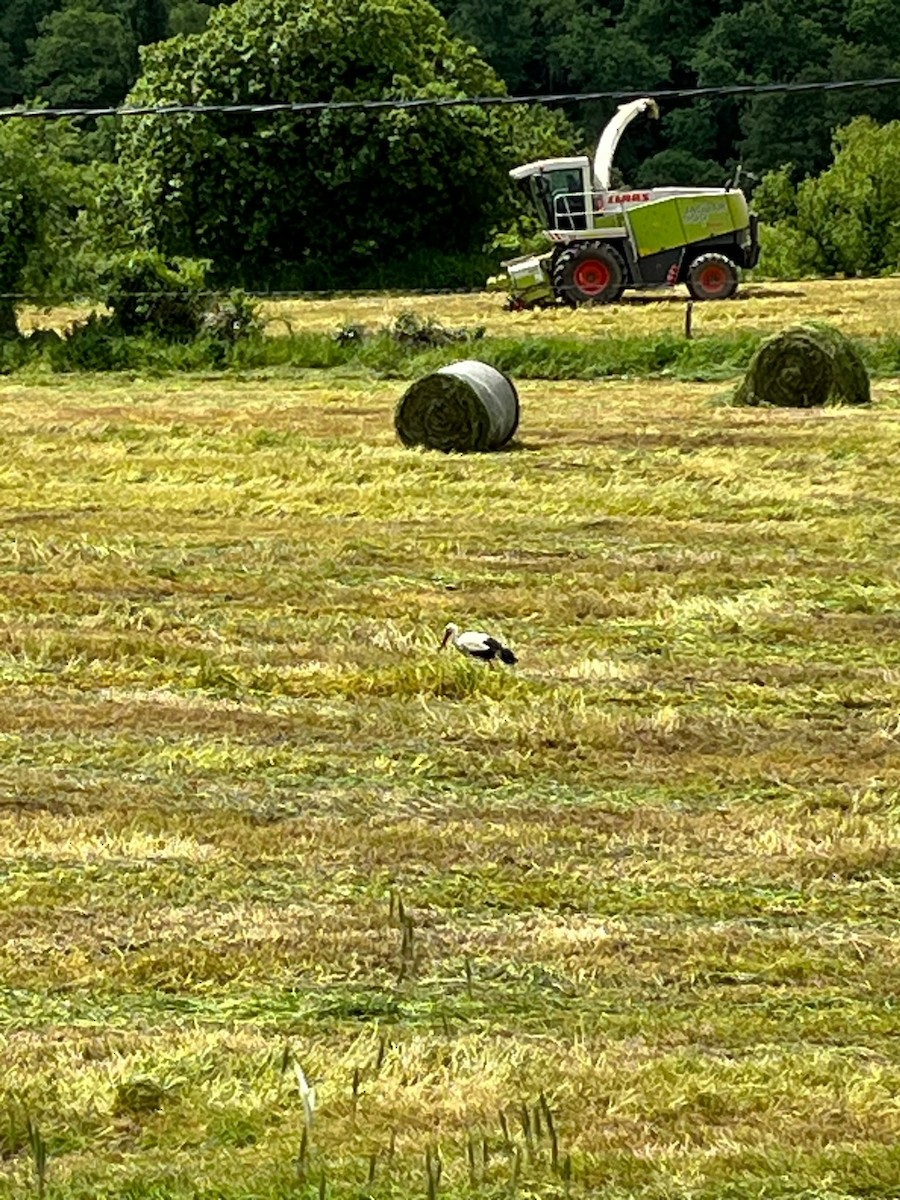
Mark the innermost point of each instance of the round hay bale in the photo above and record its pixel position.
(805, 366)
(465, 406)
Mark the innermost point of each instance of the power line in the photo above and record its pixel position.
(315, 106)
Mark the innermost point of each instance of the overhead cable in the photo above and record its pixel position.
(315, 106)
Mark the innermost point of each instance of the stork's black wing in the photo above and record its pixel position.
(491, 649)
(498, 650)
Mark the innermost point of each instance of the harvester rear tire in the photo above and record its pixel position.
(590, 273)
(712, 277)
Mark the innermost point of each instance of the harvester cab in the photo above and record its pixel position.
(607, 239)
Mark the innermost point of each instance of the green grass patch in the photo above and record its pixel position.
(709, 357)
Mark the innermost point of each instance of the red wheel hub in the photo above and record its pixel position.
(713, 279)
(591, 276)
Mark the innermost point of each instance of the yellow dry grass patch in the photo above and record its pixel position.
(860, 307)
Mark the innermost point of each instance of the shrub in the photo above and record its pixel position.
(149, 293)
(31, 205)
(232, 318)
(164, 299)
(844, 220)
(786, 252)
(94, 344)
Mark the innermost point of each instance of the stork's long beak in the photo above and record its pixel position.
(446, 639)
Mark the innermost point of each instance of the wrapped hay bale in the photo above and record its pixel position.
(803, 367)
(465, 406)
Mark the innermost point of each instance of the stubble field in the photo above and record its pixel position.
(620, 922)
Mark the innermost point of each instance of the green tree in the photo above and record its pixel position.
(851, 209)
(503, 34)
(78, 51)
(874, 23)
(148, 18)
(863, 60)
(673, 27)
(843, 221)
(600, 55)
(32, 211)
(678, 168)
(81, 55)
(19, 21)
(796, 41)
(187, 16)
(704, 128)
(9, 81)
(339, 190)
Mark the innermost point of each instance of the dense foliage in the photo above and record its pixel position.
(35, 184)
(843, 221)
(82, 51)
(580, 45)
(332, 194)
(87, 51)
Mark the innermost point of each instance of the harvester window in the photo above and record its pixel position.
(567, 191)
(539, 194)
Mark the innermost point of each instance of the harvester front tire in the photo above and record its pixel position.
(591, 273)
(712, 277)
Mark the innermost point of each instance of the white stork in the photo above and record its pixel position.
(478, 645)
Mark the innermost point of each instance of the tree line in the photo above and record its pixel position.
(420, 197)
(63, 52)
(649, 45)
(83, 52)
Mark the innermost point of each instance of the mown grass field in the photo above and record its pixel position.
(860, 307)
(621, 922)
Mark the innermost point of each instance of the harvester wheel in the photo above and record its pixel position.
(712, 277)
(591, 273)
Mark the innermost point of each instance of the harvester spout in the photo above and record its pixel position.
(609, 139)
